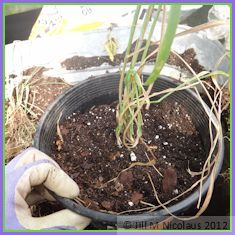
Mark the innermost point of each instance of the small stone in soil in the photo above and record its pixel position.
(169, 126)
(156, 137)
(133, 157)
(101, 178)
(130, 203)
(176, 191)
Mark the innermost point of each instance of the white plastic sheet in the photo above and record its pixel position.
(50, 52)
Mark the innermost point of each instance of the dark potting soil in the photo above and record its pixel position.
(45, 208)
(81, 62)
(90, 155)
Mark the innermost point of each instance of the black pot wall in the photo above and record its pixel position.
(104, 90)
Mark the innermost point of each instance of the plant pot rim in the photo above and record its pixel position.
(113, 219)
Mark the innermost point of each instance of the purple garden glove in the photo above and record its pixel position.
(29, 169)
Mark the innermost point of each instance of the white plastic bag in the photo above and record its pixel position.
(219, 12)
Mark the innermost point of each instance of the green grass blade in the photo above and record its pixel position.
(132, 32)
(166, 42)
(188, 82)
(151, 34)
(141, 37)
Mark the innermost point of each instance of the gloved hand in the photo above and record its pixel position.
(23, 173)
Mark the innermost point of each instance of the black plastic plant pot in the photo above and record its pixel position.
(104, 90)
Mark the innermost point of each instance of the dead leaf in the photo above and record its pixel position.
(136, 197)
(118, 186)
(59, 144)
(91, 203)
(111, 48)
(63, 130)
(107, 205)
(114, 156)
(169, 180)
(126, 178)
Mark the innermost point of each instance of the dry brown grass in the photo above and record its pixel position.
(20, 121)
(19, 131)
(22, 107)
